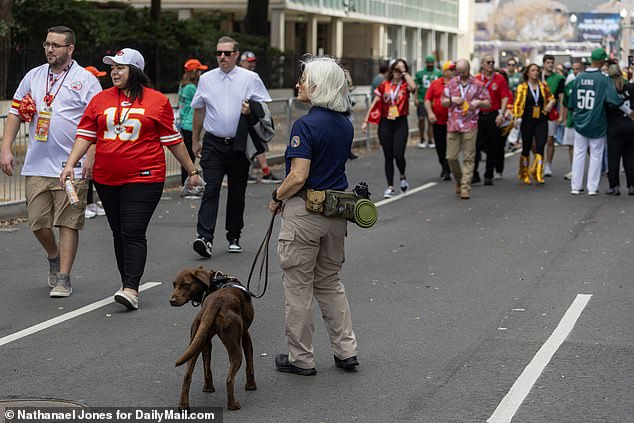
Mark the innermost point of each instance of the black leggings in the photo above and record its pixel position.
(187, 139)
(537, 128)
(129, 209)
(393, 136)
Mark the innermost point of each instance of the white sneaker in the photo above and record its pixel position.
(422, 145)
(404, 185)
(593, 193)
(91, 211)
(100, 211)
(548, 170)
(389, 192)
(575, 192)
(129, 301)
(498, 176)
(431, 145)
(568, 176)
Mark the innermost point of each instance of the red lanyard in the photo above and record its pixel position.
(48, 98)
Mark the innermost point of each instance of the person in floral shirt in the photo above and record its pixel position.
(464, 96)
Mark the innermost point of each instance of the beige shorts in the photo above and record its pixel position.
(48, 206)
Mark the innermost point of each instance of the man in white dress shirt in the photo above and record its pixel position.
(221, 98)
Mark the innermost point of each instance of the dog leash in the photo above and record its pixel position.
(264, 264)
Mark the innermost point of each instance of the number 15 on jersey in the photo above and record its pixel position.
(128, 130)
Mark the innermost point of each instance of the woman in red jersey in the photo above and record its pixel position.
(393, 97)
(130, 124)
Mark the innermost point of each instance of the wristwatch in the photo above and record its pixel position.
(274, 196)
(194, 172)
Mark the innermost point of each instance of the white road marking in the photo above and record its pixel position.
(522, 386)
(67, 316)
(405, 194)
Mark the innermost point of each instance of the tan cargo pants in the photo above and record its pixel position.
(465, 142)
(311, 253)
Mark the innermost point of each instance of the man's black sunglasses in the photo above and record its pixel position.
(225, 52)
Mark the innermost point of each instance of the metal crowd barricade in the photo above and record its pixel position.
(12, 187)
(284, 111)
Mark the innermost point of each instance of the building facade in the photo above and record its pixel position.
(363, 29)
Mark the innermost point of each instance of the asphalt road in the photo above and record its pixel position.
(451, 300)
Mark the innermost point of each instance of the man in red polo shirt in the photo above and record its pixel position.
(437, 115)
(489, 135)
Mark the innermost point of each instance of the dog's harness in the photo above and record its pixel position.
(219, 281)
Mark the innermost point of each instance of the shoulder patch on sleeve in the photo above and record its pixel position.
(295, 141)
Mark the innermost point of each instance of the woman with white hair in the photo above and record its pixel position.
(311, 246)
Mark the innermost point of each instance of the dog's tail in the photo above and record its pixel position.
(201, 336)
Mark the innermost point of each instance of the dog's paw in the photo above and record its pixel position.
(234, 406)
(250, 386)
(209, 388)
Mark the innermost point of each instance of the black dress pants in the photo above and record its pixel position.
(129, 209)
(218, 159)
(620, 145)
(440, 137)
(490, 141)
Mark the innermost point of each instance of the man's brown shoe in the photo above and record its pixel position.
(465, 195)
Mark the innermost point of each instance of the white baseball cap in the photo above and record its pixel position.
(126, 56)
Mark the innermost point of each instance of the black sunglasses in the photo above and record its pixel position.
(490, 62)
(225, 52)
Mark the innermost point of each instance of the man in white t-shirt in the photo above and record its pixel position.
(220, 102)
(52, 97)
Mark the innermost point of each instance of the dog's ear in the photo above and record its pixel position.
(204, 276)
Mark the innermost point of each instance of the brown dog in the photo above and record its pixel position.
(226, 311)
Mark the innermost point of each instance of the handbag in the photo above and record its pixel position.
(553, 114)
(375, 113)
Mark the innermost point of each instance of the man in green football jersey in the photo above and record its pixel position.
(591, 93)
(424, 78)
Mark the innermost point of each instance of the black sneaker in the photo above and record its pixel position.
(234, 246)
(270, 179)
(349, 364)
(202, 247)
(476, 178)
(488, 181)
(613, 191)
(283, 365)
